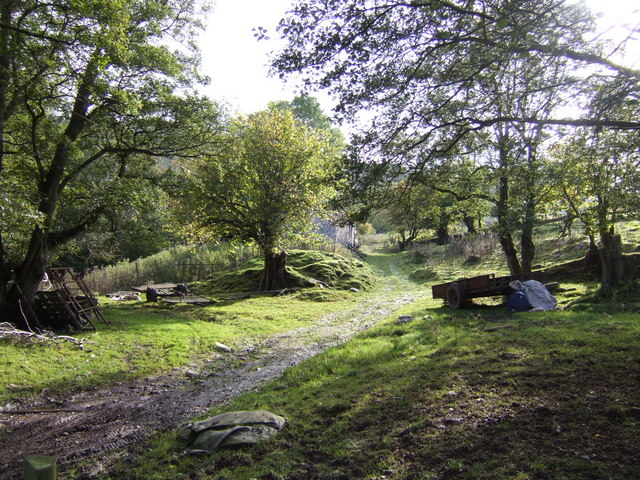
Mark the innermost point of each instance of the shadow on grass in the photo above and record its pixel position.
(552, 396)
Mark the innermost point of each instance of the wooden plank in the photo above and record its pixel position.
(193, 299)
(479, 283)
(157, 286)
(440, 290)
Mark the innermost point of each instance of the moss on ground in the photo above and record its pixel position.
(305, 268)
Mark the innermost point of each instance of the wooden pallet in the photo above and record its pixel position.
(69, 302)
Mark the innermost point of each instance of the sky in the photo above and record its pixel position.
(237, 63)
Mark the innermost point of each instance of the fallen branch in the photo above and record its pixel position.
(9, 331)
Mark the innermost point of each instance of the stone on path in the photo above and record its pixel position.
(224, 347)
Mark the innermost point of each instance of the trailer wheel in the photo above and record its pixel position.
(456, 295)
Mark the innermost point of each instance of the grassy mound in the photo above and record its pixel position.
(423, 275)
(305, 268)
(335, 270)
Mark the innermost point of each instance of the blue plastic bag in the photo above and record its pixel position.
(517, 302)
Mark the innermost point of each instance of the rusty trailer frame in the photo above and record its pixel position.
(458, 292)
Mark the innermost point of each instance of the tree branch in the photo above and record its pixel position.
(43, 36)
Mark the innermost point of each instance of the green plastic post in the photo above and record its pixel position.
(40, 467)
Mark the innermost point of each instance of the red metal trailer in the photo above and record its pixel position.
(456, 293)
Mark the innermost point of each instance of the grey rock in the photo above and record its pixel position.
(224, 347)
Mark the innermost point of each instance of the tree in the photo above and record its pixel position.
(435, 75)
(270, 181)
(308, 110)
(420, 63)
(600, 184)
(90, 94)
(409, 212)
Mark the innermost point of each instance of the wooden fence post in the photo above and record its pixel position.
(40, 467)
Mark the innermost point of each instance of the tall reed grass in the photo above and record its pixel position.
(181, 263)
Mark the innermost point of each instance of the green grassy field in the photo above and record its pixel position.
(480, 394)
(146, 339)
(470, 394)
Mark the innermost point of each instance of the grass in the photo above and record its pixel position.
(477, 394)
(303, 266)
(549, 395)
(147, 339)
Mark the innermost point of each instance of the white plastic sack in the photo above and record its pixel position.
(537, 294)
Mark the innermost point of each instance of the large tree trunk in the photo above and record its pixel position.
(611, 260)
(19, 299)
(592, 256)
(469, 222)
(27, 277)
(510, 253)
(504, 229)
(528, 252)
(5, 276)
(442, 232)
(274, 273)
(30, 273)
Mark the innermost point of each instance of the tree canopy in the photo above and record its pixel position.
(423, 64)
(90, 94)
(490, 80)
(272, 177)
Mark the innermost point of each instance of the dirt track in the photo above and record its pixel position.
(95, 425)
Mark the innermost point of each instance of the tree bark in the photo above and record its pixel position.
(611, 260)
(442, 232)
(510, 253)
(502, 205)
(442, 235)
(469, 222)
(504, 233)
(526, 238)
(592, 256)
(29, 274)
(274, 272)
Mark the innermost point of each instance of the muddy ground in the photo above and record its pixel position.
(101, 424)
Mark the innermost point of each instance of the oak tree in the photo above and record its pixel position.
(434, 74)
(271, 178)
(91, 93)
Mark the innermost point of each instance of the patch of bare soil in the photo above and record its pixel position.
(94, 425)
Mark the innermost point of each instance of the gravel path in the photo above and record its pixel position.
(95, 425)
